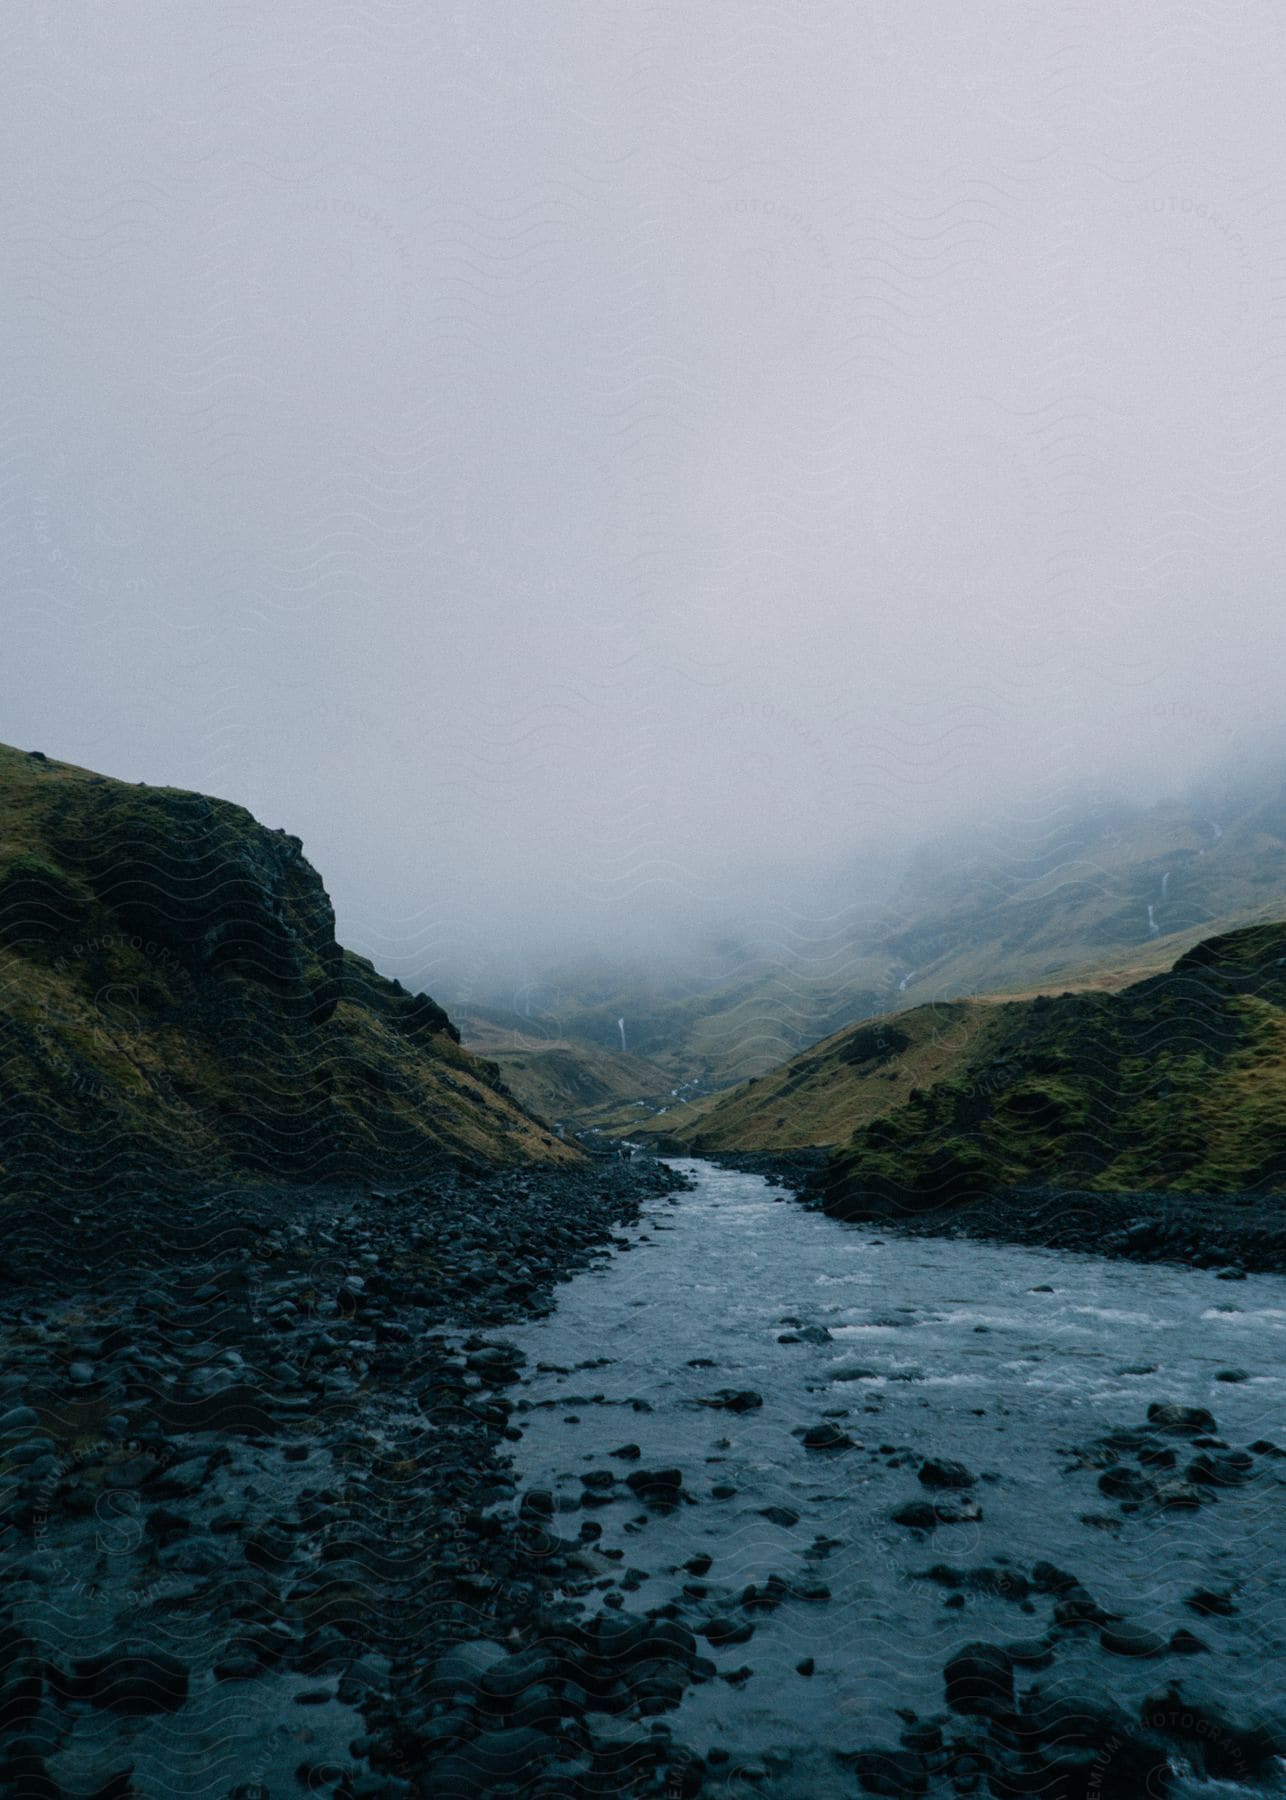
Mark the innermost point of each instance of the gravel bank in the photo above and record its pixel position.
(258, 1527)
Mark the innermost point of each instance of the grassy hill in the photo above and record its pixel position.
(172, 999)
(820, 1097)
(561, 1080)
(1074, 900)
(1175, 1082)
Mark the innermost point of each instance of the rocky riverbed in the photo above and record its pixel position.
(945, 1517)
(633, 1481)
(1236, 1233)
(1232, 1232)
(259, 1533)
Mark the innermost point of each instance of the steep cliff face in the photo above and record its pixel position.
(172, 998)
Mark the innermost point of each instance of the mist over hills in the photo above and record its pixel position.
(1094, 892)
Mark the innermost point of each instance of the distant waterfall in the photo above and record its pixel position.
(1165, 884)
(902, 984)
(1153, 927)
(620, 1026)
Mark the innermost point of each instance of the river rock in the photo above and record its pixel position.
(661, 1487)
(1132, 1640)
(1228, 1739)
(980, 1679)
(1187, 1421)
(493, 1758)
(721, 1631)
(737, 1400)
(1084, 1748)
(463, 1668)
(504, 1683)
(896, 1773)
(1210, 1603)
(132, 1681)
(1126, 1484)
(1231, 1470)
(936, 1472)
(827, 1436)
(917, 1515)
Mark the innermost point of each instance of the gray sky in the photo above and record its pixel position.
(558, 458)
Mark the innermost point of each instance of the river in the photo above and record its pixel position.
(999, 1358)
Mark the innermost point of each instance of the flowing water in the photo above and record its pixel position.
(997, 1357)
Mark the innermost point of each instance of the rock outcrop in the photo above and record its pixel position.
(173, 1001)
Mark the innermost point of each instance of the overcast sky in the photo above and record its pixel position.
(554, 456)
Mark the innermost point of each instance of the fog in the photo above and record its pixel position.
(603, 474)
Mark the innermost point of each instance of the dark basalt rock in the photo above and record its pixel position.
(1184, 1421)
(1125, 1484)
(137, 1682)
(827, 1436)
(491, 1759)
(660, 1487)
(936, 1472)
(1229, 1740)
(1231, 1470)
(899, 1774)
(980, 1679)
(737, 1400)
(1132, 1640)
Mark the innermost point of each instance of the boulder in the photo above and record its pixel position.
(661, 1487)
(737, 1400)
(899, 1774)
(463, 1668)
(136, 1682)
(1121, 1483)
(980, 1679)
(827, 1436)
(493, 1759)
(1228, 1739)
(1132, 1640)
(1186, 1421)
(1230, 1470)
(936, 1472)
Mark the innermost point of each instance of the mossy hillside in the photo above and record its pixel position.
(172, 997)
(820, 1097)
(1176, 1083)
(565, 1081)
(1082, 901)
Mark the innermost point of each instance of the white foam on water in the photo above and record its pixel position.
(1271, 1318)
(1118, 1316)
(972, 1316)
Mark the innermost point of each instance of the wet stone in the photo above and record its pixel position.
(938, 1473)
(1182, 1420)
(1132, 1640)
(828, 1436)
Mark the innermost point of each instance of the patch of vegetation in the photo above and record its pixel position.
(1176, 1083)
(173, 1001)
